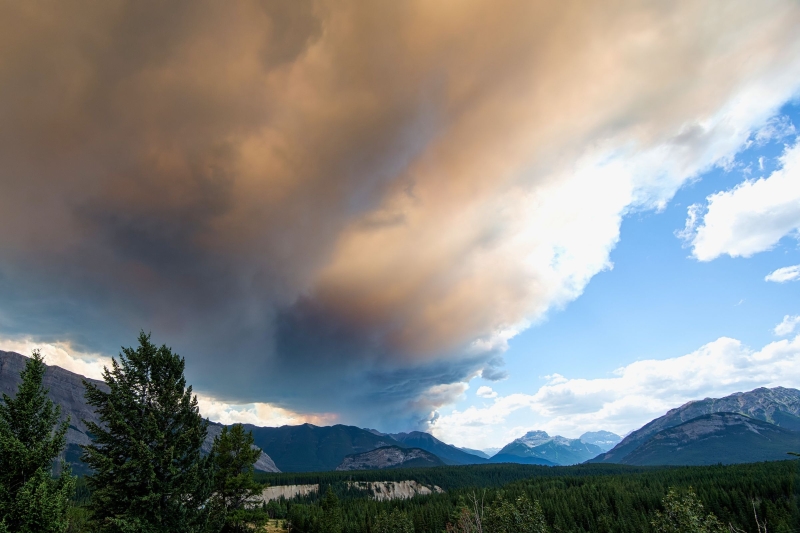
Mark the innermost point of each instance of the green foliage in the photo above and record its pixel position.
(395, 522)
(331, 513)
(683, 513)
(78, 519)
(596, 498)
(276, 508)
(31, 438)
(231, 459)
(519, 516)
(149, 475)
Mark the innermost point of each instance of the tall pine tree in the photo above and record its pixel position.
(149, 475)
(331, 513)
(232, 458)
(31, 437)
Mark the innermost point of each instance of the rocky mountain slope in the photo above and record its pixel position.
(716, 438)
(310, 448)
(390, 457)
(394, 490)
(554, 450)
(66, 390)
(449, 454)
(779, 406)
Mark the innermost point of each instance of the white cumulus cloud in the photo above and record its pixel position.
(786, 327)
(782, 275)
(486, 392)
(631, 397)
(750, 218)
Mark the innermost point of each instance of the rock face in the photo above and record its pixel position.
(66, 390)
(779, 406)
(390, 457)
(394, 490)
(447, 453)
(537, 447)
(716, 438)
(287, 491)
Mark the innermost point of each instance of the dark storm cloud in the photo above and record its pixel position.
(334, 205)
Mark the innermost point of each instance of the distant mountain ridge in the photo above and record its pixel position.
(779, 406)
(554, 450)
(477, 453)
(605, 440)
(310, 448)
(448, 453)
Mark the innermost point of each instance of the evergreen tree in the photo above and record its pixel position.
(522, 516)
(395, 522)
(149, 475)
(232, 458)
(331, 513)
(31, 438)
(684, 514)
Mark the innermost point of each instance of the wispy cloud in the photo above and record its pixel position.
(787, 325)
(784, 274)
(777, 128)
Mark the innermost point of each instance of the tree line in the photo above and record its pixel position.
(148, 472)
(580, 499)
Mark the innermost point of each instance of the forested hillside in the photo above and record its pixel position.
(584, 498)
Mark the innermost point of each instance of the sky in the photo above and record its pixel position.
(469, 218)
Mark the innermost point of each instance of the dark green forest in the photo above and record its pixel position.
(584, 498)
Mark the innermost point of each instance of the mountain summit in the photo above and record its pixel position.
(537, 447)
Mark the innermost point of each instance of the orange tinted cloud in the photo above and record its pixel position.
(378, 194)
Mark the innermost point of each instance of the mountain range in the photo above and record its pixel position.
(743, 427)
(760, 425)
(537, 447)
(449, 454)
